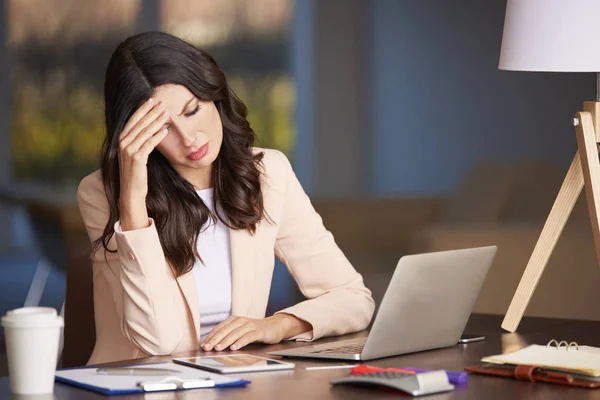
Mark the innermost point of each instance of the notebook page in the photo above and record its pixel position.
(584, 361)
(89, 376)
(589, 349)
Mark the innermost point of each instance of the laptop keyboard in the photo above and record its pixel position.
(355, 348)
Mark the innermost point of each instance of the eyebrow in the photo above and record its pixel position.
(186, 105)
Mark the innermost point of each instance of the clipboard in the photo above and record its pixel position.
(111, 385)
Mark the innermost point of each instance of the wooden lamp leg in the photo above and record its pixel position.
(585, 168)
(563, 205)
(590, 163)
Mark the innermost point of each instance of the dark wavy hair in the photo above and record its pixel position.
(136, 68)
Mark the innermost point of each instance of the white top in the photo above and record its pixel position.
(213, 274)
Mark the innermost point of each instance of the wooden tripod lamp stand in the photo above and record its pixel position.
(558, 36)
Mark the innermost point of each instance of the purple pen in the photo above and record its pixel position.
(456, 378)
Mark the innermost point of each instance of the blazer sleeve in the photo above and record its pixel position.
(337, 300)
(143, 288)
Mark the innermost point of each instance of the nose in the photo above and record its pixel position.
(185, 133)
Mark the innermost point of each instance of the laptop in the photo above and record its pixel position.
(426, 306)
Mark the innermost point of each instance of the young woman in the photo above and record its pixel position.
(186, 218)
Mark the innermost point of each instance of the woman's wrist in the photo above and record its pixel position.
(133, 215)
(292, 325)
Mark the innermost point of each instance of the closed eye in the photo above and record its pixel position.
(194, 111)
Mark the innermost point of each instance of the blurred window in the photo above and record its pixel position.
(60, 49)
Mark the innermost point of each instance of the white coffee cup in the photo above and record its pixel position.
(32, 337)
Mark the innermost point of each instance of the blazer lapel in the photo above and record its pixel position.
(243, 262)
(187, 284)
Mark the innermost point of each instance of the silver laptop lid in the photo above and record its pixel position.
(428, 301)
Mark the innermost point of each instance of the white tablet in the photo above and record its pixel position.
(234, 363)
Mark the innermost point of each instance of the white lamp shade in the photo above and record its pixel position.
(551, 35)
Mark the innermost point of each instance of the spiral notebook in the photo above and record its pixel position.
(560, 356)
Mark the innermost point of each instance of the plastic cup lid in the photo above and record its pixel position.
(32, 317)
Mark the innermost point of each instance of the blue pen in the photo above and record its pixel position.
(456, 378)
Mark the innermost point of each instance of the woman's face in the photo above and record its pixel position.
(195, 130)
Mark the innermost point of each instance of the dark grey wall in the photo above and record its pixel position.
(5, 159)
(340, 97)
(5, 162)
(303, 69)
(439, 103)
(328, 56)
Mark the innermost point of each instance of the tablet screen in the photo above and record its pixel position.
(232, 361)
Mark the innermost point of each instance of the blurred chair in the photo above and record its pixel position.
(378, 225)
(41, 220)
(506, 205)
(63, 241)
(63, 244)
(80, 329)
(375, 232)
(46, 227)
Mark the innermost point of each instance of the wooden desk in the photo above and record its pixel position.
(302, 384)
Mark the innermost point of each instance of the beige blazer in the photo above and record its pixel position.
(143, 309)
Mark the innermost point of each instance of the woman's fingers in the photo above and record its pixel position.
(137, 116)
(149, 131)
(234, 335)
(217, 328)
(152, 142)
(250, 337)
(141, 124)
(222, 332)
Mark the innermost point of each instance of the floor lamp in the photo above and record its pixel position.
(557, 36)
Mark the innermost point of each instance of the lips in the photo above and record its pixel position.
(198, 154)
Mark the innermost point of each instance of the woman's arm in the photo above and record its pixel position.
(145, 295)
(338, 302)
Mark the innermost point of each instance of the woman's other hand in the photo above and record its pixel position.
(237, 332)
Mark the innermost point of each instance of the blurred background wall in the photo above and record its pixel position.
(439, 104)
(393, 112)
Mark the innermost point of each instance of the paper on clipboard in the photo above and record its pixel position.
(87, 378)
